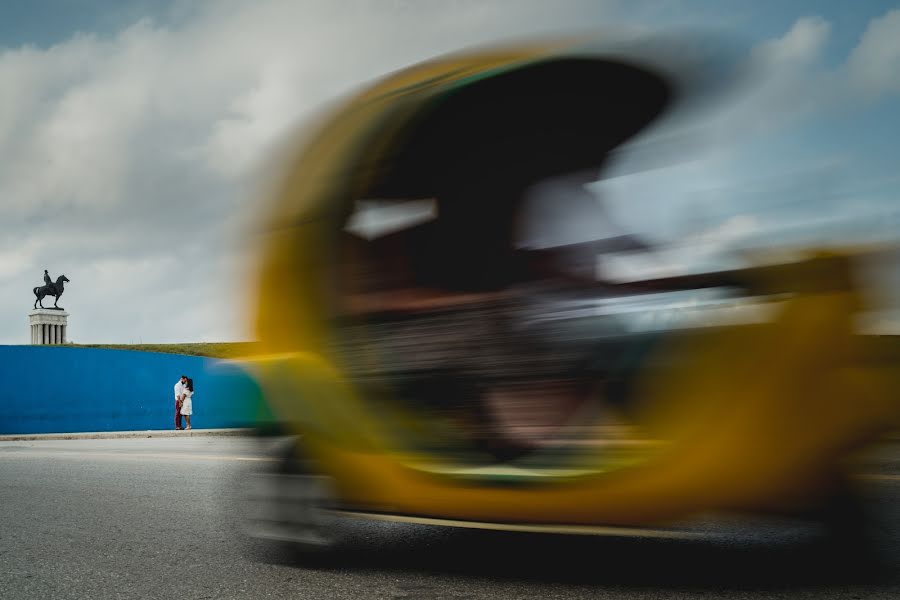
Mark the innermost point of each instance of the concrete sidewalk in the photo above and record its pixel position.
(166, 433)
(114, 435)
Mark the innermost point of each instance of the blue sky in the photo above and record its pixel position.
(44, 23)
(135, 135)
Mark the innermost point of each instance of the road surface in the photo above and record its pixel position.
(143, 518)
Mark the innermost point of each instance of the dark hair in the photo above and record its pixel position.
(183, 377)
(190, 384)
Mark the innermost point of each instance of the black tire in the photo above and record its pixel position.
(848, 525)
(286, 508)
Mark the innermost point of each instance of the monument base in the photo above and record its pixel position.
(49, 326)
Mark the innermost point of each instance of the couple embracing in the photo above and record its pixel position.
(184, 391)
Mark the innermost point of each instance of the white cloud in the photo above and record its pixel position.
(874, 65)
(801, 45)
(789, 83)
(126, 160)
(14, 259)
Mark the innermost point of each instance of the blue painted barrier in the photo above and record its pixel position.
(59, 389)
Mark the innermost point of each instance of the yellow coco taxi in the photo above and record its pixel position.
(433, 361)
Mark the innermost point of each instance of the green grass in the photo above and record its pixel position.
(212, 350)
(881, 349)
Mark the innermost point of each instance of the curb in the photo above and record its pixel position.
(892, 438)
(118, 435)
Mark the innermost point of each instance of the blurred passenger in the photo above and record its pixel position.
(453, 312)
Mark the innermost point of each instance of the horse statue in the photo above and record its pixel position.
(50, 289)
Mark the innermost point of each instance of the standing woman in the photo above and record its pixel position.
(187, 404)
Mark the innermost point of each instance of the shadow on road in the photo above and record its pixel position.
(767, 560)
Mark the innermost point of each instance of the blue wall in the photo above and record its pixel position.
(56, 389)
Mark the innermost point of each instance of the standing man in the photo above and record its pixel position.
(179, 398)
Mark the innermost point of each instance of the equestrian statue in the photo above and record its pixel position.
(50, 289)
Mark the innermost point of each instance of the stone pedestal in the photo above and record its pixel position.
(48, 326)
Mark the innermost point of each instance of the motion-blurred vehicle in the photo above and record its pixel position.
(429, 362)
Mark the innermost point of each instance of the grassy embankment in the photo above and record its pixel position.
(212, 350)
(879, 349)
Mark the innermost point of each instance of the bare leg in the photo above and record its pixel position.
(188, 421)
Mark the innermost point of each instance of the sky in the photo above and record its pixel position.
(135, 136)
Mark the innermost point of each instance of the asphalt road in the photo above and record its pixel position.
(143, 518)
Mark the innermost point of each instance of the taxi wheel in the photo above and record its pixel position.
(849, 530)
(289, 506)
(848, 526)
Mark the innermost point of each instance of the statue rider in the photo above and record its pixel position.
(48, 282)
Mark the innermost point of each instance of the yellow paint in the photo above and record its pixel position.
(758, 419)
